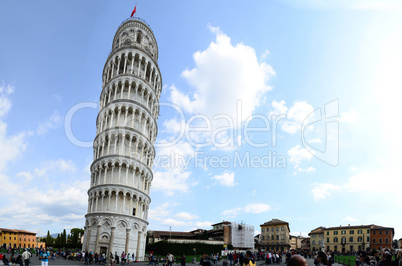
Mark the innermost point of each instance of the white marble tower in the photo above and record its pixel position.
(121, 174)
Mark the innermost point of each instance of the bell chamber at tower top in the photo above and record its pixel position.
(136, 33)
(134, 52)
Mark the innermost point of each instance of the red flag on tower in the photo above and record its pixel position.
(132, 13)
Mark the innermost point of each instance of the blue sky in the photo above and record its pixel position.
(281, 60)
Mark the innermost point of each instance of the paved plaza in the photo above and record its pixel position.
(35, 261)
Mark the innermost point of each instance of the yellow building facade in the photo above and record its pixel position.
(317, 239)
(347, 238)
(275, 235)
(17, 238)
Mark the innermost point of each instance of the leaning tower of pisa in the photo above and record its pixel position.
(126, 128)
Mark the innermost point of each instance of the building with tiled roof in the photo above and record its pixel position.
(275, 235)
(381, 237)
(17, 238)
(240, 236)
(347, 238)
(317, 238)
(351, 237)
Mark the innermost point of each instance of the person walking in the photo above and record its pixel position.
(26, 256)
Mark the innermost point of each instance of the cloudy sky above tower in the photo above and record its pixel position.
(270, 109)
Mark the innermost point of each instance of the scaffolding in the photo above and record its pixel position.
(242, 235)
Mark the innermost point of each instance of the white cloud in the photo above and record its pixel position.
(232, 213)
(11, 147)
(173, 125)
(171, 168)
(171, 181)
(159, 213)
(27, 175)
(226, 179)
(349, 219)
(54, 121)
(265, 54)
(205, 224)
(353, 168)
(279, 108)
(224, 71)
(349, 117)
(389, 5)
(298, 154)
(257, 208)
(175, 223)
(321, 191)
(315, 140)
(295, 117)
(306, 170)
(5, 102)
(66, 204)
(254, 208)
(186, 216)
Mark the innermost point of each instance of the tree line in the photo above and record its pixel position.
(72, 240)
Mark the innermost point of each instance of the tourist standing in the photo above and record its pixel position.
(169, 259)
(44, 257)
(26, 256)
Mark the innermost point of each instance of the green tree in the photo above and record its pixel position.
(64, 239)
(49, 239)
(395, 243)
(76, 234)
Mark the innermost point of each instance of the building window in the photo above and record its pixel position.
(368, 231)
(380, 240)
(327, 239)
(277, 229)
(335, 239)
(359, 231)
(380, 232)
(351, 239)
(374, 241)
(313, 242)
(374, 232)
(386, 240)
(277, 237)
(263, 238)
(386, 232)
(360, 239)
(343, 232)
(272, 237)
(368, 239)
(335, 233)
(351, 232)
(282, 228)
(263, 230)
(272, 229)
(282, 237)
(327, 233)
